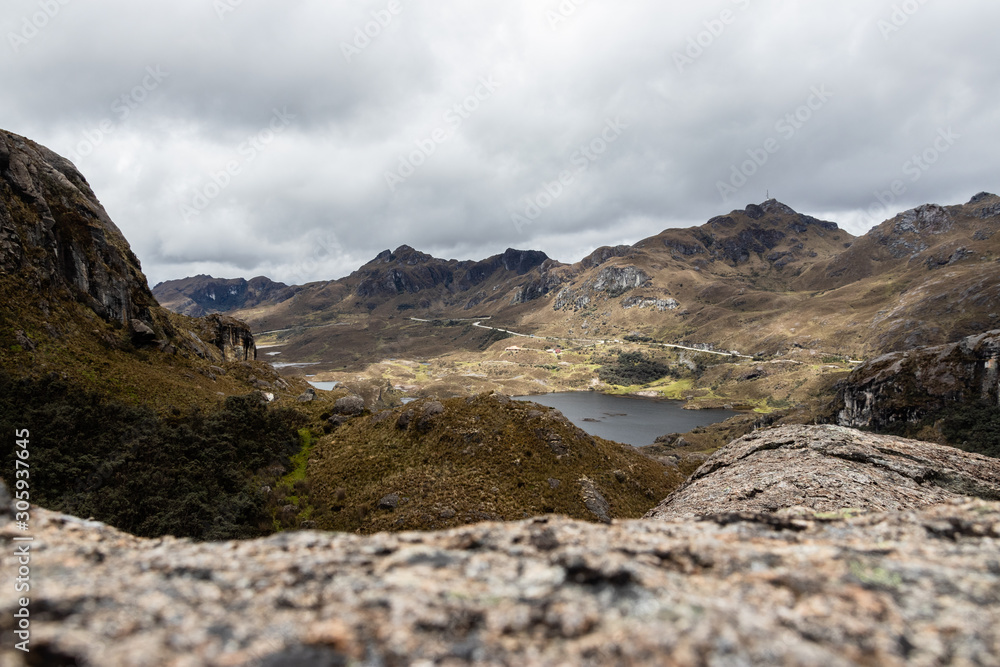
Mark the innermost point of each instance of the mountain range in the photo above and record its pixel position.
(763, 280)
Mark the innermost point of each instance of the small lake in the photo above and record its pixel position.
(632, 420)
(325, 386)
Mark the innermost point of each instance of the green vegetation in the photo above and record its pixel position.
(633, 368)
(194, 473)
(973, 427)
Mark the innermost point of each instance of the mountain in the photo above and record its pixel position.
(763, 280)
(204, 295)
(154, 422)
(77, 304)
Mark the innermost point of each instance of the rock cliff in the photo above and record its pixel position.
(917, 586)
(77, 305)
(901, 390)
(57, 238)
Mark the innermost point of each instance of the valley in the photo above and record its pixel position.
(775, 316)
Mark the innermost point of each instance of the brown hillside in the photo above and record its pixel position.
(437, 464)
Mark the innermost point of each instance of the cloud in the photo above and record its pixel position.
(377, 88)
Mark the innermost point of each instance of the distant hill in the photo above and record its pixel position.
(203, 295)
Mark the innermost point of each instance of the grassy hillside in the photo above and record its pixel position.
(435, 464)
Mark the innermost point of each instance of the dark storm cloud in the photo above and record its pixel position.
(299, 139)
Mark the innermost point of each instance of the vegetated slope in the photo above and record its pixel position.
(435, 464)
(927, 276)
(204, 295)
(134, 412)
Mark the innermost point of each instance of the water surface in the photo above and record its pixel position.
(632, 420)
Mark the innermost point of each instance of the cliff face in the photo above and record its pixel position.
(800, 588)
(56, 236)
(75, 300)
(906, 387)
(233, 338)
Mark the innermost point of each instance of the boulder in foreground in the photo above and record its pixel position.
(810, 469)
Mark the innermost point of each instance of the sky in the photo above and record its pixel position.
(298, 139)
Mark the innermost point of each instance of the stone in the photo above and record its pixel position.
(427, 414)
(596, 503)
(404, 419)
(911, 587)
(389, 502)
(307, 396)
(141, 333)
(23, 340)
(349, 405)
(822, 469)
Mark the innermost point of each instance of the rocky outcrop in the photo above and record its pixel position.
(823, 469)
(605, 253)
(906, 387)
(650, 302)
(57, 238)
(616, 280)
(915, 587)
(610, 282)
(911, 231)
(233, 338)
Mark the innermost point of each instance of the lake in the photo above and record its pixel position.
(632, 420)
(325, 386)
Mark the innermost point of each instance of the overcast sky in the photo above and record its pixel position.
(297, 139)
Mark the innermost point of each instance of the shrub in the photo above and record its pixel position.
(633, 368)
(193, 473)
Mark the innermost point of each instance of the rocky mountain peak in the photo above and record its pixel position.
(925, 219)
(404, 254)
(522, 261)
(775, 207)
(981, 197)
